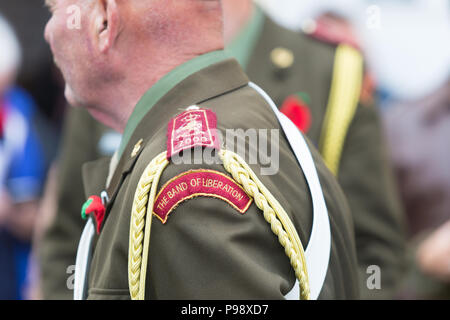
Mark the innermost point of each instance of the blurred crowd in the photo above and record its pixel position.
(406, 47)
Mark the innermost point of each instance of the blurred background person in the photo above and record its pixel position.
(434, 255)
(38, 76)
(411, 60)
(406, 46)
(404, 42)
(22, 169)
(300, 71)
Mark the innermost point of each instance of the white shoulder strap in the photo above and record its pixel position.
(84, 256)
(317, 252)
(82, 261)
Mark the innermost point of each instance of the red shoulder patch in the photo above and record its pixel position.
(297, 110)
(196, 183)
(332, 30)
(192, 128)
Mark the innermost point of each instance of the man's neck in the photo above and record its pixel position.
(122, 99)
(237, 13)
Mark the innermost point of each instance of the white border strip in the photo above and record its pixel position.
(83, 261)
(317, 253)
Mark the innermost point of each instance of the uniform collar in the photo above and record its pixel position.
(242, 46)
(197, 87)
(163, 86)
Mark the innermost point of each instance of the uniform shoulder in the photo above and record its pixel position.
(197, 176)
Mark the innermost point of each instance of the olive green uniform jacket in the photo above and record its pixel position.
(207, 249)
(364, 172)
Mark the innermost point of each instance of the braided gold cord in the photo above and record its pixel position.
(273, 213)
(139, 240)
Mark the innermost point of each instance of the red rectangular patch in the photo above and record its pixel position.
(195, 183)
(192, 128)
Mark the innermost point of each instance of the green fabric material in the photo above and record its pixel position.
(243, 44)
(84, 208)
(163, 86)
(206, 227)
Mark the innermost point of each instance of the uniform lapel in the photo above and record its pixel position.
(94, 176)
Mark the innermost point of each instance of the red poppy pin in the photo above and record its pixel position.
(94, 205)
(296, 108)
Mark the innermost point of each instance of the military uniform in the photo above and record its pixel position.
(307, 67)
(207, 249)
(58, 248)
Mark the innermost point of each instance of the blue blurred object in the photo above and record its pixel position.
(27, 171)
(22, 175)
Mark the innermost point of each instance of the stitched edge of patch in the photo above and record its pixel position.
(196, 183)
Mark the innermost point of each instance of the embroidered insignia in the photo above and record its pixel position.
(192, 128)
(195, 183)
(94, 205)
(330, 29)
(295, 107)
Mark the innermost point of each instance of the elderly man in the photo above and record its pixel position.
(155, 71)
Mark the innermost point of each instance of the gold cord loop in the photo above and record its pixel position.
(273, 213)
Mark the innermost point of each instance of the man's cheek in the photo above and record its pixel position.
(60, 37)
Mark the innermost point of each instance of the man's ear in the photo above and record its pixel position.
(106, 24)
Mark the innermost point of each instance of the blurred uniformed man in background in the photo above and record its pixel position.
(215, 243)
(297, 71)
